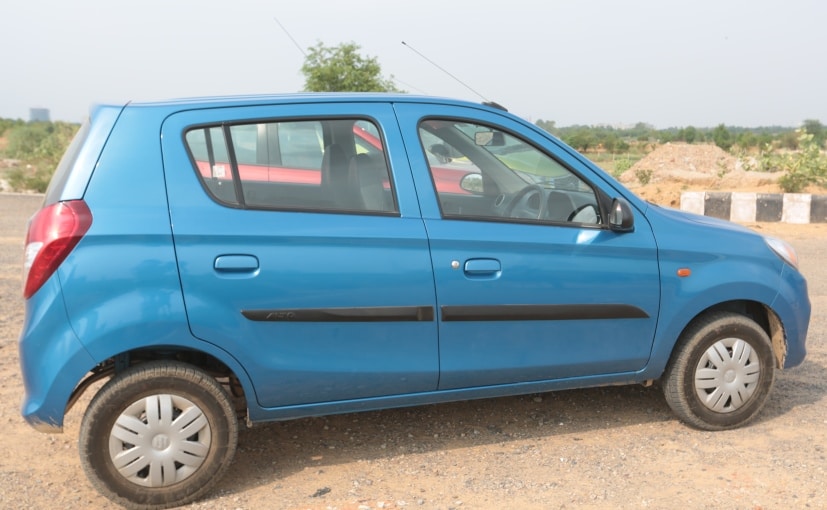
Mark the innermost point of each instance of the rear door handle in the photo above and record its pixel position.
(235, 263)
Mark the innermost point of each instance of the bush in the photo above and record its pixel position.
(621, 165)
(31, 178)
(39, 145)
(644, 175)
(803, 167)
(722, 137)
(40, 141)
(6, 124)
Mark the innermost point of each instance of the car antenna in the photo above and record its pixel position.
(485, 100)
(304, 53)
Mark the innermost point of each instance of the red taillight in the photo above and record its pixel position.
(53, 233)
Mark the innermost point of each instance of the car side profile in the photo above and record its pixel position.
(261, 258)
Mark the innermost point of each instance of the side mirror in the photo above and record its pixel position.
(621, 218)
(472, 183)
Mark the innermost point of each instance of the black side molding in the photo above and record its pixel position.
(485, 313)
(541, 312)
(360, 314)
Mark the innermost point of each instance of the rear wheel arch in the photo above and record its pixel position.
(233, 378)
(158, 434)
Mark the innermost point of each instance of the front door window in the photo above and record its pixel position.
(501, 177)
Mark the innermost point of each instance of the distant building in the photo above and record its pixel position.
(39, 115)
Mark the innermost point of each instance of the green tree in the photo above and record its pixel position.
(815, 128)
(641, 132)
(688, 134)
(764, 139)
(581, 139)
(548, 125)
(343, 69)
(722, 137)
(622, 146)
(747, 139)
(666, 136)
(610, 142)
(789, 140)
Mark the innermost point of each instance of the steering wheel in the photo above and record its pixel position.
(586, 213)
(521, 205)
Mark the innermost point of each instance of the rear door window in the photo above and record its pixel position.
(321, 165)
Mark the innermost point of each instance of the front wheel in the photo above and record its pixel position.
(158, 435)
(720, 373)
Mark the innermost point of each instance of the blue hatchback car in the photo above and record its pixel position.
(276, 257)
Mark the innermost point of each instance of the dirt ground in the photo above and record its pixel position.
(616, 447)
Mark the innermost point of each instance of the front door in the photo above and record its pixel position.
(531, 284)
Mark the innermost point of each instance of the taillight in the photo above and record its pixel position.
(53, 232)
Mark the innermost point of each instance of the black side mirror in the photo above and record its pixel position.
(621, 218)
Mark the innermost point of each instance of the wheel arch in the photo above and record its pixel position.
(722, 368)
(158, 435)
(756, 311)
(228, 372)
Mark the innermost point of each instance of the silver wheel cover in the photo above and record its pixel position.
(727, 375)
(159, 440)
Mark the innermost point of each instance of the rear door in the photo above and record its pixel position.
(310, 268)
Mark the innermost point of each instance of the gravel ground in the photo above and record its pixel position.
(617, 447)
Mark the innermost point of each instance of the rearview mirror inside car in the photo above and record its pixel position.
(489, 138)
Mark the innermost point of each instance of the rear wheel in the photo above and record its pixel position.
(721, 372)
(158, 435)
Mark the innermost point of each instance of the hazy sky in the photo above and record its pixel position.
(667, 63)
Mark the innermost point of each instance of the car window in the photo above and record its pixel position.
(367, 138)
(301, 144)
(324, 165)
(480, 172)
(208, 149)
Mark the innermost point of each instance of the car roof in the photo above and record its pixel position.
(303, 97)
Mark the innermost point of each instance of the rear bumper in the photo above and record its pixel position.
(52, 359)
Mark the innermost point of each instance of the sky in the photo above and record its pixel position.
(667, 63)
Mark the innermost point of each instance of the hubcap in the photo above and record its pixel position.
(727, 375)
(159, 440)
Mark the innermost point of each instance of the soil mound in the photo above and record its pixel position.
(695, 164)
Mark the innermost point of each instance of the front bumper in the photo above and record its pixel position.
(792, 304)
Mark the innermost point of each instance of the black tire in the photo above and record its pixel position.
(171, 461)
(721, 372)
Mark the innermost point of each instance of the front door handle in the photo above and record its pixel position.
(235, 263)
(482, 267)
